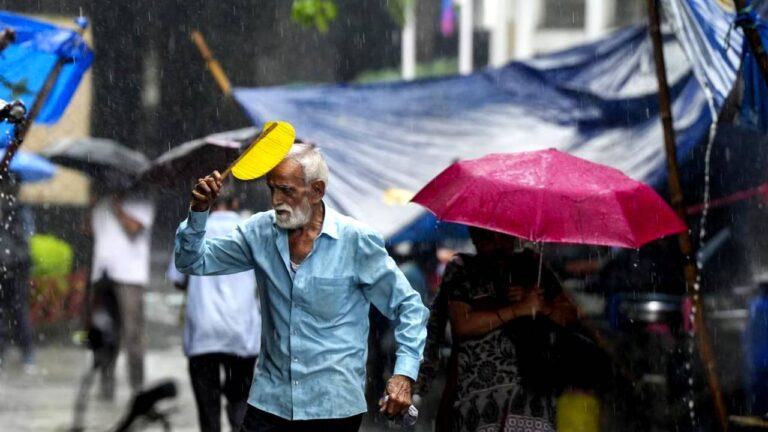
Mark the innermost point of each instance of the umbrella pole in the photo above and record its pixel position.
(21, 129)
(541, 263)
(753, 36)
(684, 239)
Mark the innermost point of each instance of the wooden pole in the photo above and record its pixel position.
(21, 129)
(213, 65)
(753, 37)
(686, 246)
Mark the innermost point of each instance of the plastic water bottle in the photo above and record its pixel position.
(406, 420)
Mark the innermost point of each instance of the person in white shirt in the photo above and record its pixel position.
(122, 235)
(222, 329)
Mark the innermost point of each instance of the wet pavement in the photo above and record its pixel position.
(44, 399)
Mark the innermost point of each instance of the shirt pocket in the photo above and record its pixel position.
(329, 296)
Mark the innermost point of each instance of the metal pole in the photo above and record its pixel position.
(466, 28)
(499, 46)
(20, 130)
(408, 42)
(596, 17)
(755, 42)
(686, 246)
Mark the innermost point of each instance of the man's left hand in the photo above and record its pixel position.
(399, 396)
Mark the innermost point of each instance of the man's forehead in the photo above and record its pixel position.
(287, 170)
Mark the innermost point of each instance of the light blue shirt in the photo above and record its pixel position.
(315, 326)
(222, 311)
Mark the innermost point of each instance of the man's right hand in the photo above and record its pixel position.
(205, 192)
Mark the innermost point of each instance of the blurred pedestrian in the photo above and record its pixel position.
(222, 328)
(15, 266)
(122, 226)
(318, 273)
(501, 316)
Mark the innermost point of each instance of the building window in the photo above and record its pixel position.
(565, 14)
(630, 12)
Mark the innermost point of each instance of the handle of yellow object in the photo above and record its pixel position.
(263, 133)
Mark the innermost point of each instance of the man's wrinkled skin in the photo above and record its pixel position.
(399, 392)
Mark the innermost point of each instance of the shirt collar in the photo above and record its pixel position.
(330, 223)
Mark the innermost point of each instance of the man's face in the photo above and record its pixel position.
(290, 195)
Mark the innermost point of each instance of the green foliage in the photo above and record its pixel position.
(434, 69)
(396, 9)
(51, 256)
(320, 13)
(314, 13)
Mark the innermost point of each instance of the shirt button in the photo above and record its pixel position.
(296, 359)
(295, 332)
(295, 383)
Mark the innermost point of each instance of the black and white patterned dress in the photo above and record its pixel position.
(491, 395)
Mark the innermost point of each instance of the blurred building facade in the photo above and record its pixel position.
(520, 29)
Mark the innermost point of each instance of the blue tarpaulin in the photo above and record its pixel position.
(711, 41)
(714, 42)
(596, 101)
(26, 63)
(30, 167)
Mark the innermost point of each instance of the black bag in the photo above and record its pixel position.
(551, 358)
(104, 317)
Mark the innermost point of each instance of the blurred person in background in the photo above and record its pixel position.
(501, 320)
(15, 266)
(222, 328)
(122, 225)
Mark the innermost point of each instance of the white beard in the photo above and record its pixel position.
(295, 217)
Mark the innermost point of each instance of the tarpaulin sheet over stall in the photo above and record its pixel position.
(596, 101)
(26, 63)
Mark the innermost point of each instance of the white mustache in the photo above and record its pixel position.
(284, 207)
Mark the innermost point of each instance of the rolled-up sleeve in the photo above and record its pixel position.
(197, 255)
(387, 288)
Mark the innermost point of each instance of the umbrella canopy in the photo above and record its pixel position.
(198, 158)
(30, 167)
(108, 162)
(550, 196)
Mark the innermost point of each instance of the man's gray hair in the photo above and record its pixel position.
(311, 160)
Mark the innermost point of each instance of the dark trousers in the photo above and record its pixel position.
(14, 314)
(205, 373)
(257, 420)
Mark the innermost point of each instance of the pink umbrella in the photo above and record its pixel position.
(550, 196)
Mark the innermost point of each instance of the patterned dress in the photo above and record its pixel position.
(492, 394)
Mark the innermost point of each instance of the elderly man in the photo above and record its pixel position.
(317, 272)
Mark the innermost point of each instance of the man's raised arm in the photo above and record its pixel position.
(194, 254)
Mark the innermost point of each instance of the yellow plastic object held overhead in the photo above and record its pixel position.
(265, 152)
